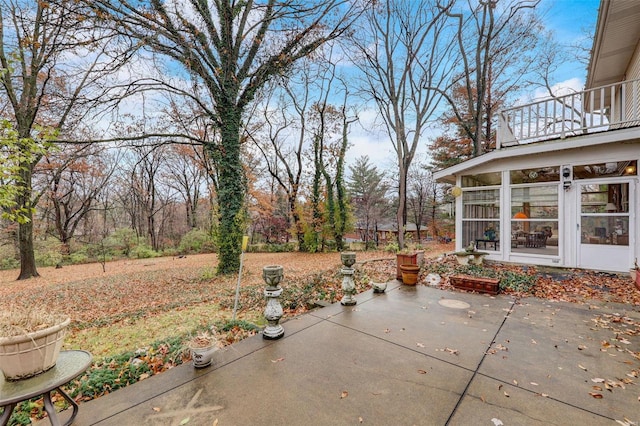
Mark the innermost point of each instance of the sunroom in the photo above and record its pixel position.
(561, 188)
(570, 205)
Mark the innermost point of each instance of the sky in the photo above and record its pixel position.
(570, 20)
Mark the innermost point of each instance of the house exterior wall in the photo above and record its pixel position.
(633, 71)
(632, 101)
(567, 236)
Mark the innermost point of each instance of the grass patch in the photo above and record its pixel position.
(137, 332)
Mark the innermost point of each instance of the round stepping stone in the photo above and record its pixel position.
(454, 304)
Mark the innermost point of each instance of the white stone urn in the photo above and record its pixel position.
(202, 348)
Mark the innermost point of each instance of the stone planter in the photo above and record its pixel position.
(409, 274)
(470, 257)
(202, 356)
(32, 353)
(479, 284)
(405, 259)
(202, 347)
(273, 275)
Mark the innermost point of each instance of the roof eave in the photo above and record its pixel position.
(603, 11)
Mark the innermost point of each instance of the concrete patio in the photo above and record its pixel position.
(410, 356)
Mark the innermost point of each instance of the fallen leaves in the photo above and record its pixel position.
(450, 351)
(344, 394)
(626, 422)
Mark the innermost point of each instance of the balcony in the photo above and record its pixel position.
(601, 109)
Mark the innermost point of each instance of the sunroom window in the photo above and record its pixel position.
(481, 211)
(534, 219)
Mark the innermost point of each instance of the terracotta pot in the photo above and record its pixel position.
(32, 353)
(409, 274)
(405, 259)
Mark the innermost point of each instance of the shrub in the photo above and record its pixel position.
(9, 263)
(143, 251)
(392, 248)
(122, 241)
(196, 241)
(517, 282)
(48, 252)
(8, 258)
(78, 257)
(271, 248)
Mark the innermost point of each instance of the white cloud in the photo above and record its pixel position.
(567, 87)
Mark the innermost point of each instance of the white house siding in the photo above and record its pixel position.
(632, 103)
(568, 239)
(633, 71)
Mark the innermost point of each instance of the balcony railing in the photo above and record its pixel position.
(600, 109)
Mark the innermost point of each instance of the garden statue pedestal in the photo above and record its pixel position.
(272, 275)
(348, 286)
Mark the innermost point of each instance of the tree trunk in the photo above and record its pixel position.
(25, 228)
(27, 255)
(402, 204)
(231, 191)
(297, 225)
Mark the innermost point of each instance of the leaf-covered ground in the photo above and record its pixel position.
(133, 314)
(131, 290)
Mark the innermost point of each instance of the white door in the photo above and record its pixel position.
(604, 223)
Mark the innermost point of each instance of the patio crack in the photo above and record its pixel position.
(486, 352)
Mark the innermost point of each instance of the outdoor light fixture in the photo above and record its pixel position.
(566, 177)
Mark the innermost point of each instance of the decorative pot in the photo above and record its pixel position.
(348, 258)
(31, 353)
(405, 259)
(410, 274)
(202, 357)
(272, 275)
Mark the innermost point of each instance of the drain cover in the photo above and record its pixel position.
(455, 304)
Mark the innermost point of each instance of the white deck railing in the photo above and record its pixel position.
(595, 110)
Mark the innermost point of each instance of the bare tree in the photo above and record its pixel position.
(74, 177)
(418, 193)
(330, 143)
(285, 127)
(187, 177)
(497, 43)
(52, 60)
(404, 53)
(230, 50)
